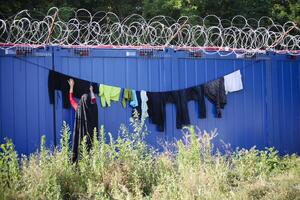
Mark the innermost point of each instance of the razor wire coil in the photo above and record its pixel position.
(238, 35)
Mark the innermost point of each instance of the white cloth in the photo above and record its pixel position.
(144, 105)
(233, 82)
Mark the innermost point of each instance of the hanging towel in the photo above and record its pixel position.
(144, 105)
(134, 102)
(127, 97)
(233, 82)
(108, 93)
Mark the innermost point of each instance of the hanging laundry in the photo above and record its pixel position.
(59, 81)
(157, 108)
(134, 102)
(233, 82)
(182, 113)
(215, 92)
(137, 103)
(152, 104)
(144, 105)
(127, 97)
(108, 93)
(197, 94)
(86, 118)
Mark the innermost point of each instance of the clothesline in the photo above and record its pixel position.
(149, 105)
(214, 90)
(170, 96)
(95, 84)
(33, 63)
(47, 67)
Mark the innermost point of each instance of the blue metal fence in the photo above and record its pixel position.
(265, 113)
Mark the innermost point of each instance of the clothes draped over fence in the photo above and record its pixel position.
(153, 104)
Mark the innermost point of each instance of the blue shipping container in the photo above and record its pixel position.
(264, 114)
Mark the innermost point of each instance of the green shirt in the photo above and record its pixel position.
(108, 93)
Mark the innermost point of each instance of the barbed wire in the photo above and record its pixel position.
(105, 29)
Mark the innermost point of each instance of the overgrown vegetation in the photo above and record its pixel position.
(126, 168)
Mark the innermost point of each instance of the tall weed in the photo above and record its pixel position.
(125, 167)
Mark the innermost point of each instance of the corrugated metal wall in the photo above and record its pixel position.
(25, 113)
(265, 113)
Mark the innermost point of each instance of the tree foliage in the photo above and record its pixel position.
(280, 10)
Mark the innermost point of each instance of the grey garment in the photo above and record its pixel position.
(86, 119)
(215, 92)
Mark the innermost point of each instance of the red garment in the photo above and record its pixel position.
(74, 103)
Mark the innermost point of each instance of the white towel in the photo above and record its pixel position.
(233, 82)
(144, 105)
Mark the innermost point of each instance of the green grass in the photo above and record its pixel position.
(126, 168)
